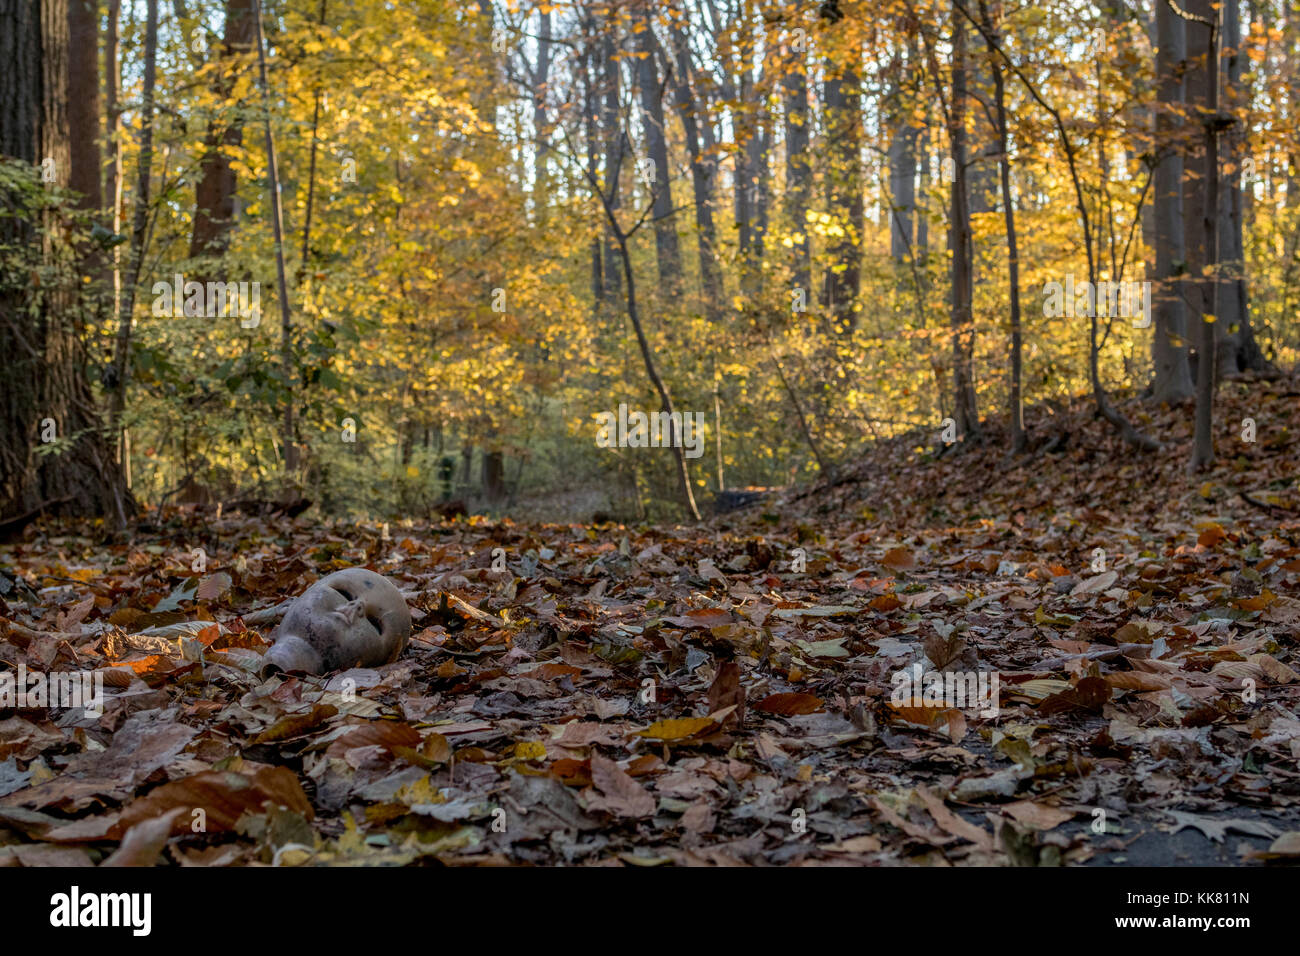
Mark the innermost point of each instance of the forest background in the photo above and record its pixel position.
(471, 228)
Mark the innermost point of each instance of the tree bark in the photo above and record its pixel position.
(959, 243)
(703, 174)
(288, 365)
(652, 126)
(44, 375)
(798, 167)
(1203, 442)
(1016, 397)
(1172, 374)
(611, 128)
(83, 101)
(139, 224)
(214, 195)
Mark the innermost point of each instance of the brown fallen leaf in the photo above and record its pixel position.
(1040, 816)
(619, 793)
(951, 822)
(727, 691)
(1091, 693)
(376, 733)
(698, 818)
(789, 705)
(222, 796)
(899, 559)
(144, 842)
(702, 618)
(294, 725)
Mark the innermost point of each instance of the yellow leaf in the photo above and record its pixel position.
(676, 728)
(530, 750)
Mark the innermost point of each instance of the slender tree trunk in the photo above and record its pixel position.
(1203, 444)
(288, 367)
(703, 172)
(1173, 380)
(139, 222)
(652, 125)
(902, 181)
(1016, 398)
(612, 132)
(541, 127)
(959, 241)
(1238, 349)
(798, 168)
(590, 134)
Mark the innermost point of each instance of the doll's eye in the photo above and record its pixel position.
(344, 592)
(374, 622)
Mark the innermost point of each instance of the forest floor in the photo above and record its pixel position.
(682, 695)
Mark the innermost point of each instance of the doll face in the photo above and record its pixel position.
(351, 617)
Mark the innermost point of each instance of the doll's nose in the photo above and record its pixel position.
(352, 610)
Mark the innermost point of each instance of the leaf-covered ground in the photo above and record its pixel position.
(681, 695)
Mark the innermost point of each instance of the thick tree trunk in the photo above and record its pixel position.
(44, 381)
(83, 101)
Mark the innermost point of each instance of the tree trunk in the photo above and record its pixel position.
(959, 242)
(541, 128)
(214, 195)
(1203, 444)
(45, 372)
(1016, 398)
(611, 128)
(494, 476)
(652, 125)
(1172, 379)
(288, 364)
(139, 224)
(703, 172)
(591, 135)
(798, 169)
(843, 124)
(902, 179)
(844, 176)
(83, 101)
(1238, 351)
